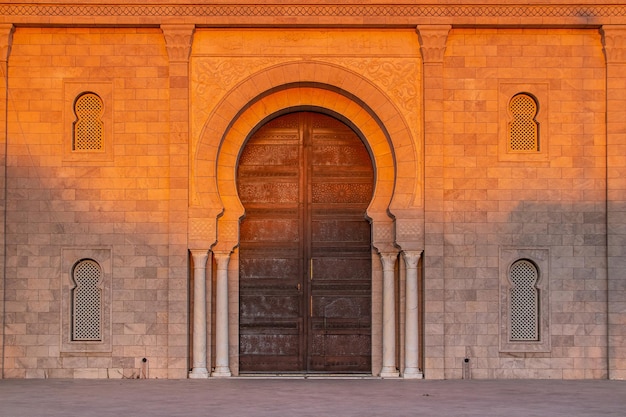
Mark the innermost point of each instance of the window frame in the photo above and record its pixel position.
(70, 257)
(539, 90)
(74, 294)
(539, 257)
(72, 90)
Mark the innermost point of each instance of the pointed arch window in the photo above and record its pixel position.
(523, 126)
(88, 125)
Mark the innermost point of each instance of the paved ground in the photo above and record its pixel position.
(311, 397)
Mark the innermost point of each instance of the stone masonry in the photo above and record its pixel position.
(179, 88)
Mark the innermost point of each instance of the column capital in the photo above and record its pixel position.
(198, 254)
(433, 41)
(222, 258)
(614, 42)
(411, 258)
(178, 40)
(388, 259)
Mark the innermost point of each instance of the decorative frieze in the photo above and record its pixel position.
(588, 11)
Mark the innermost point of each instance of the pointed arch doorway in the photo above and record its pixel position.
(305, 180)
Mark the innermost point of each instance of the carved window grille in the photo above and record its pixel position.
(88, 126)
(524, 302)
(523, 128)
(87, 301)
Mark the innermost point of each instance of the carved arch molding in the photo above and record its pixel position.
(216, 209)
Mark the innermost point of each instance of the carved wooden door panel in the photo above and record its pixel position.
(305, 180)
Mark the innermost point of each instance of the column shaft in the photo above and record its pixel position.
(222, 367)
(411, 332)
(199, 369)
(389, 369)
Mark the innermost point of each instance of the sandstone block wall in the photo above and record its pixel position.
(494, 201)
(115, 201)
(484, 205)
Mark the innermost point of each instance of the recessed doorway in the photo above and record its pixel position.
(305, 180)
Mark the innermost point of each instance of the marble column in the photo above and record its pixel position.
(222, 366)
(411, 332)
(199, 369)
(389, 369)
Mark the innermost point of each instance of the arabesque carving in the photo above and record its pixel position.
(398, 77)
(214, 76)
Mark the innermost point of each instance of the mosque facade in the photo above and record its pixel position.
(218, 189)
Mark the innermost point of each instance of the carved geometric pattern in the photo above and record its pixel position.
(345, 193)
(383, 232)
(405, 230)
(523, 128)
(336, 155)
(87, 301)
(200, 229)
(88, 127)
(341, 231)
(270, 155)
(524, 301)
(400, 10)
(278, 192)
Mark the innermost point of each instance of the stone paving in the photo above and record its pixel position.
(311, 397)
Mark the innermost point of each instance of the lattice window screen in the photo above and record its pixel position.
(524, 302)
(88, 127)
(523, 128)
(87, 301)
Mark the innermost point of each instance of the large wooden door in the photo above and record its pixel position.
(305, 180)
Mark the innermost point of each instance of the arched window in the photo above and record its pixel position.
(523, 127)
(88, 126)
(524, 301)
(87, 301)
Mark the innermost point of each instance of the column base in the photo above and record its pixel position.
(412, 373)
(198, 373)
(221, 372)
(389, 373)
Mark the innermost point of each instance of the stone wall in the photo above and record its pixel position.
(496, 201)
(115, 200)
(434, 104)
